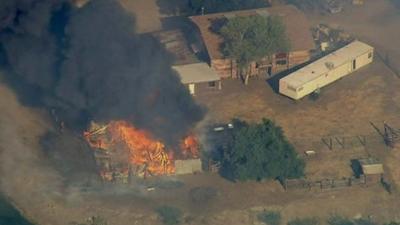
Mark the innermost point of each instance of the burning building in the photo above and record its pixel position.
(86, 62)
(122, 151)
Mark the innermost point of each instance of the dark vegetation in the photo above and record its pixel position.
(259, 151)
(252, 39)
(169, 215)
(214, 6)
(270, 217)
(304, 221)
(337, 220)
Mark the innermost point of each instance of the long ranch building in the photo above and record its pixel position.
(298, 31)
(326, 70)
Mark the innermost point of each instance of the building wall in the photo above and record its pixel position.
(228, 68)
(188, 166)
(204, 88)
(322, 80)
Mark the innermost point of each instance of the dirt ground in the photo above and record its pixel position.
(345, 108)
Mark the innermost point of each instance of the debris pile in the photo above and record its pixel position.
(123, 151)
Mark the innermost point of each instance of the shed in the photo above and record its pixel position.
(198, 77)
(188, 166)
(371, 166)
(326, 70)
(372, 170)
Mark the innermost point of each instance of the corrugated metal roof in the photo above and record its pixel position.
(327, 63)
(196, 73)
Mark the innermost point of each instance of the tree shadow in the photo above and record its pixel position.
(172, 7)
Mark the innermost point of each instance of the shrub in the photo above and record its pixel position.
(363, 221)
(339, 220)
(169, 215)
(270, 217)
(94, 220)
(304, 221)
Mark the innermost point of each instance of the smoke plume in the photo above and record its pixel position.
(89, 64)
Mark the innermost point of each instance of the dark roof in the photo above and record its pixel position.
(297, 26)
(175, 43)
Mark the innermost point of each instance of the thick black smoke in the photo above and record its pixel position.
(89, 64)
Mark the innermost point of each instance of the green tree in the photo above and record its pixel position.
(253, 38)
(258, 151)
(213, 6)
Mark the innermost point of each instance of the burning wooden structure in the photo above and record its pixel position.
(123, 151)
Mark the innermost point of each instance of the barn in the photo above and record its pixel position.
(298, 30)
(326, 70)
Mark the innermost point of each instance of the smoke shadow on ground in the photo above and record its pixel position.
(71, 156)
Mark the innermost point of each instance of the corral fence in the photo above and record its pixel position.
(384, 137)
(324, 184)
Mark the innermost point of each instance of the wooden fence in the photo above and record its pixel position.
(291, 184)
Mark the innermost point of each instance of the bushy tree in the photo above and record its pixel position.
(213, 6)
(253, 38)
(258, 151)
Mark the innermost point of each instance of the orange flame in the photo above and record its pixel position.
(143, 151)
(190, 147)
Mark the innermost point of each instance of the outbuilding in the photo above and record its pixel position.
(372, 169)
(199, 78)
(298, 31)
(326, 70)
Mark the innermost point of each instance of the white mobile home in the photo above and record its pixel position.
(326, 70)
